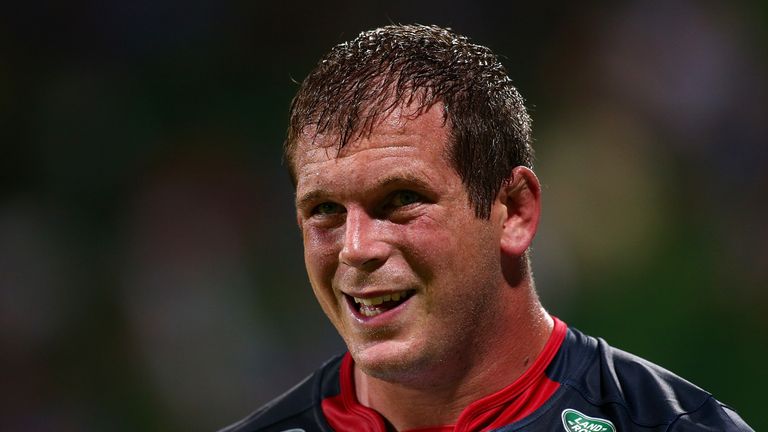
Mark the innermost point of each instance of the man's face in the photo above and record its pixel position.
(396, 257)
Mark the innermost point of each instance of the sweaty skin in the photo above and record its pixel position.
(388, 215)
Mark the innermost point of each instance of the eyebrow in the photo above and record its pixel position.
(310, 197)
(406, 180)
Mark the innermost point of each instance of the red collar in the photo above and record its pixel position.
(510, 404)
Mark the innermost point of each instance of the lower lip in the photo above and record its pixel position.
(379, 319)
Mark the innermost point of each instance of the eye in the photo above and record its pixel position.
(327, 208)
(405, 197)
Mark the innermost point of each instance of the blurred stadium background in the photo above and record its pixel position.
(151, 275)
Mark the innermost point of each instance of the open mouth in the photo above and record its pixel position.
(372, 306)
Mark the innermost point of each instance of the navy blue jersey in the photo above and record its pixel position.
(583, 385)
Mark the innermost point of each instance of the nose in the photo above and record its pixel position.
(364, 246)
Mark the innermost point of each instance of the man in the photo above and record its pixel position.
(410, 152)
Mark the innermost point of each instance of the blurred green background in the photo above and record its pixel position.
(151, 274)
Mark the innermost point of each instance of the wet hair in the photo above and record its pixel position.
(361, 81)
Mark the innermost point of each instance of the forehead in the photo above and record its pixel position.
(402, 130)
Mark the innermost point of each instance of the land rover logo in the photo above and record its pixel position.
(575, 421)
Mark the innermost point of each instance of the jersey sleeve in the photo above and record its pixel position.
(711, 416)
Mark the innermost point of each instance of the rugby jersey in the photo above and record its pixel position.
(578, 383)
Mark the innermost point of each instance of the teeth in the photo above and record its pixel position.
(374, 301)
(370, 312)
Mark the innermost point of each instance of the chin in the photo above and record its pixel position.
(394, 362)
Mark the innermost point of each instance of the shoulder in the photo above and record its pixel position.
(297, 409)
(712, 416)
(643, 393)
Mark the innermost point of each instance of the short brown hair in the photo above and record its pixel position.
(359, 81)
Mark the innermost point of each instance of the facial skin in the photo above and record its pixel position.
(389, 215)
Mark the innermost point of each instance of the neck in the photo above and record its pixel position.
(497, 359)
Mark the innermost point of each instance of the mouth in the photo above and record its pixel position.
(372, 306)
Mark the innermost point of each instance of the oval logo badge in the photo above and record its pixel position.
(575, 421)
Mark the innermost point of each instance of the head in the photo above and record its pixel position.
(410, 152)
(360, 81)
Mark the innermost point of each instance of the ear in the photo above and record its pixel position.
(520, 195)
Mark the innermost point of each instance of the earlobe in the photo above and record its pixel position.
(521, 196)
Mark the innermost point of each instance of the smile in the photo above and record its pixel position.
(372, 306)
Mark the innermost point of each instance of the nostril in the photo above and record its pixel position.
(367, 258)
(366, 266)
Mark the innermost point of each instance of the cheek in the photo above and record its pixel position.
(321, 263)
(321, 254)
(455, 255)
(427, 247)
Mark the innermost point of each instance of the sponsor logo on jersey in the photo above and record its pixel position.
(575, 421)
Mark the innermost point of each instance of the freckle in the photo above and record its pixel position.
(526, 361)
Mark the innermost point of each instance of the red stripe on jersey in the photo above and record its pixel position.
(343, 412)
